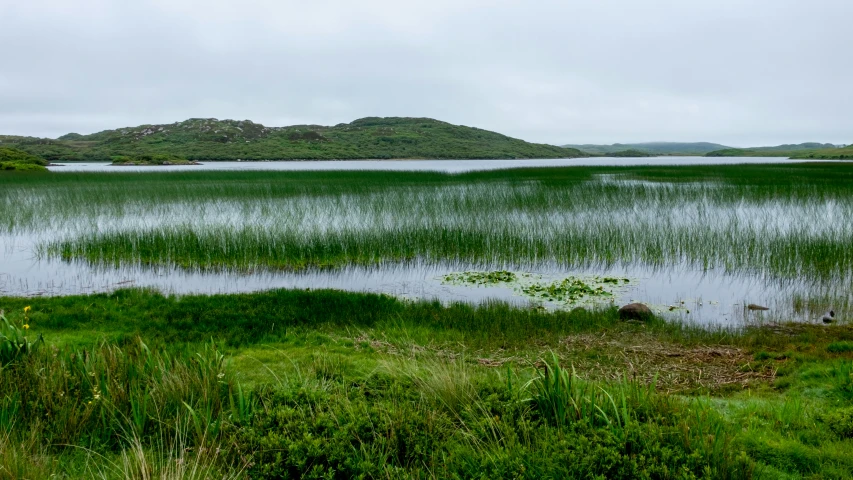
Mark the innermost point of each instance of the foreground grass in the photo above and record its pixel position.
(296, 384)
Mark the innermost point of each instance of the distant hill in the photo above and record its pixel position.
(655, 148)
(836, 153)
(367, 138)
(794, 147)
(799, 150)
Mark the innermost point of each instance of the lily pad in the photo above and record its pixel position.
(566, 292)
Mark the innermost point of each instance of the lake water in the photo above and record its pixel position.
(680, 291)
(451, 166)
(704, 297)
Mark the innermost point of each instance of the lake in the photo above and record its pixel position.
(694, 247)
(423, 165)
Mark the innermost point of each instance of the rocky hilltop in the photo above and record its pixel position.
(366, 138)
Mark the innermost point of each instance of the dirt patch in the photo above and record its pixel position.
(613, 357)
(672, 366)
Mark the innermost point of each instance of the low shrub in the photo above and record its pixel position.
(840, 347)
(840, 422)
(322, 429)
(21, 167)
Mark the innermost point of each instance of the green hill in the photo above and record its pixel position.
(800, 150)
(654, 148)
(845, 153)
(795, 147)
(367, 138)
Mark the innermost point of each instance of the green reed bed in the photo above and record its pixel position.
(798, 254)
(780, 221)
(69, 196)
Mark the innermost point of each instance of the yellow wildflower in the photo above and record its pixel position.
(26, 326)
(27, 309)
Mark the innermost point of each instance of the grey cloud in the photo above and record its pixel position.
(735, 72)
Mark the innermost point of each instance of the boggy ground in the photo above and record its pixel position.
(326, 384)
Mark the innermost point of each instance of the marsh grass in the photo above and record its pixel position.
(92, 397)
(784, 222)
(178, 455)
(245, 319)
(23, 455)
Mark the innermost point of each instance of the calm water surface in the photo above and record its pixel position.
(451, 166)
(712, 297)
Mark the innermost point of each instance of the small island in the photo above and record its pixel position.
(151, 160)
(631, 153)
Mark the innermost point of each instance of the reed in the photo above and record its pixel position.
(779, 222)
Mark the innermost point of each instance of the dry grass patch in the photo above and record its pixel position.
(674, 367)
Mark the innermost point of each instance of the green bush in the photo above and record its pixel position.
(21, 167)
(840, 422)
(840, 347)
(399, 426)
(14, 155)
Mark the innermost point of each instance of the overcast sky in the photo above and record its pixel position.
(738, 72)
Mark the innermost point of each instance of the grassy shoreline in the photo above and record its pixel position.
(327, 384)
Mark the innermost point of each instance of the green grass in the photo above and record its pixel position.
(333, 385)
(242, 319)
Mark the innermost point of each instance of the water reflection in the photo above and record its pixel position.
(680, 214)
(711, 297)
(451, 166)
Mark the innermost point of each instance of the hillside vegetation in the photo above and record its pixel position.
(845, 153)
(160, 159)
(367, 138)
(800, 150)
(15, 159)
(631, 153)
(655, 148)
